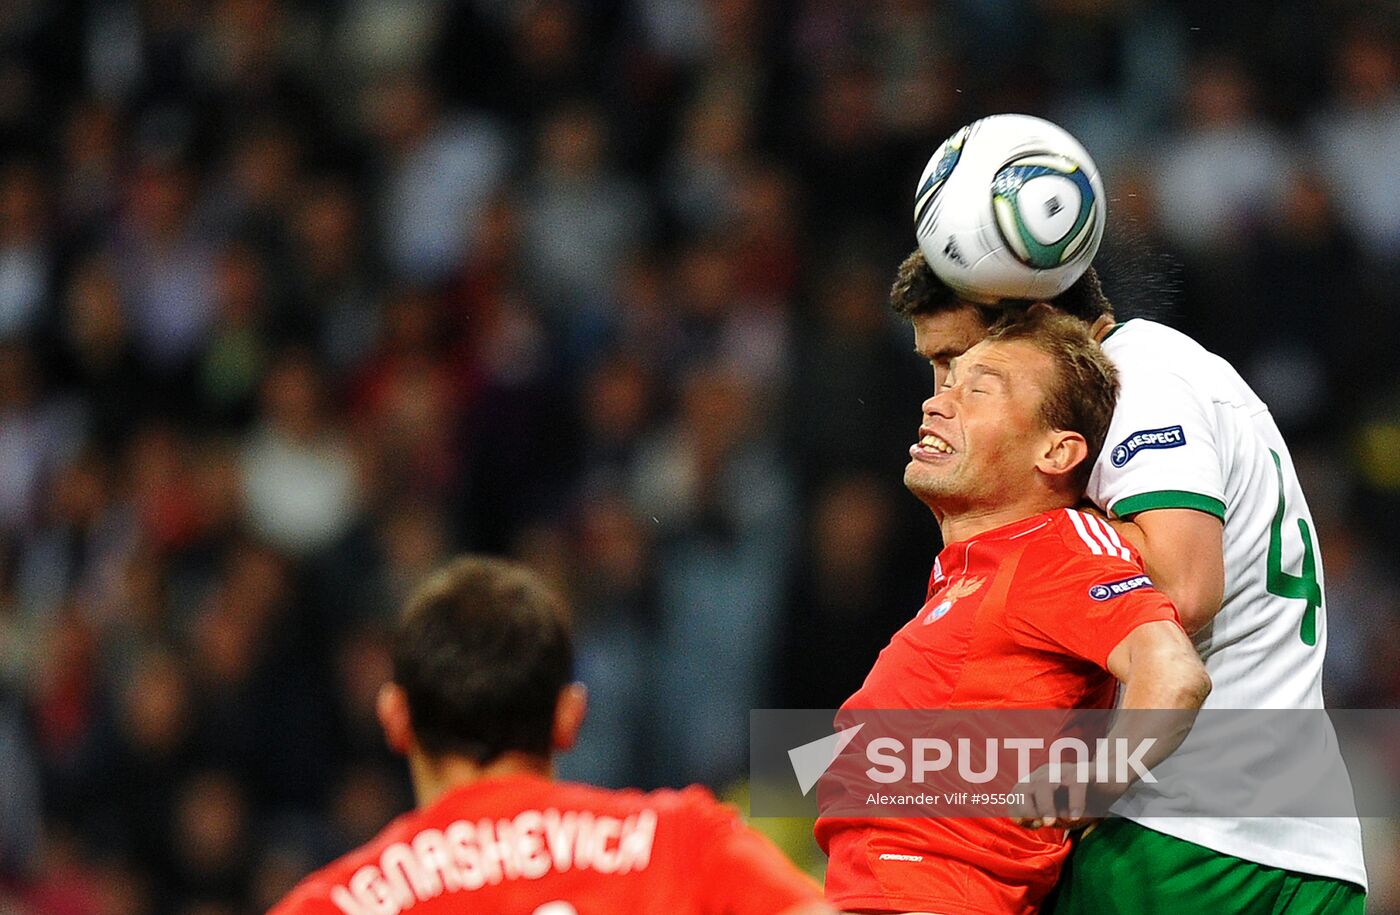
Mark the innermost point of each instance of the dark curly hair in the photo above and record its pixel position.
(482, 650)
(917, 290)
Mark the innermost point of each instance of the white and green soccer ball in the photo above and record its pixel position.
(1010, 207)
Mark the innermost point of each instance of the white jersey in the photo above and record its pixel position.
(1189, 433)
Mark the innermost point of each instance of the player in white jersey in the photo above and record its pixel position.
(1197, 475)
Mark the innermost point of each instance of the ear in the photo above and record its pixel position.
(1062, 453)
(569, 712)
(391, 705)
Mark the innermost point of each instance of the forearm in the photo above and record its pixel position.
(1159, 705)
(1166, 677)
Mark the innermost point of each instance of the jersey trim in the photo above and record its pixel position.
(1097, 536)
(1168, 498)
(1102, 529)
(1113, 330)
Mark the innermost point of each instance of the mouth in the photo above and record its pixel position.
(931, 447)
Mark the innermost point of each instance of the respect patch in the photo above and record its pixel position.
(1166, 437)
(1114, 589)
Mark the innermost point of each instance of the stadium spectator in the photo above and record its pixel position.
(271, 283)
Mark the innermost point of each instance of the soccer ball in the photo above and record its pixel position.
(1009, 207)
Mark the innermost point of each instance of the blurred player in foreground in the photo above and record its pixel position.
(480, 700)
(1196, 475)
(1010, 623)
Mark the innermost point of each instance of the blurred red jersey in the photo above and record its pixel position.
(526, 844)
(1020, 617)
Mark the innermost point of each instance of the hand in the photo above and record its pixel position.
(1062, 801)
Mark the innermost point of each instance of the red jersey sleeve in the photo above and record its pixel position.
(1084, 605)
(740, 871)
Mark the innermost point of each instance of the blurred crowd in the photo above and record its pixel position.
(299, 298)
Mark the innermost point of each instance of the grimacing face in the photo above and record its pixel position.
(940, 338)
(982, 433)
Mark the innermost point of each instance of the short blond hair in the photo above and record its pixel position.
(1084, 392)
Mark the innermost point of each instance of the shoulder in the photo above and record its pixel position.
(1077, 552)
(695, 810)
(1136, 335)
(685, 824)
(310, 897)
(694, 803)
(582, 795)
(1142, 349)
(1080, 589)
(1083, 539)
(315, 894)
(1070, 552)
(1159, 364)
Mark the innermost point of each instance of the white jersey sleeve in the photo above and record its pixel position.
(1161, 451)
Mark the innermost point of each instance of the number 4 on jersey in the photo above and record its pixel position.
(1303, 587)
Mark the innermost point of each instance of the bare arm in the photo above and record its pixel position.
(1159, 669)
(1165, 683)
(1184, 554)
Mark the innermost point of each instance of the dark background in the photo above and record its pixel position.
(297, 299)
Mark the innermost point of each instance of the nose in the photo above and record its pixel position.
(940, 404)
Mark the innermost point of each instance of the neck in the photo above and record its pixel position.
(435, 776)
(968, 523)
(1101, 327)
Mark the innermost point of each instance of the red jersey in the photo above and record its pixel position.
(1020, 617)
(526, 844)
